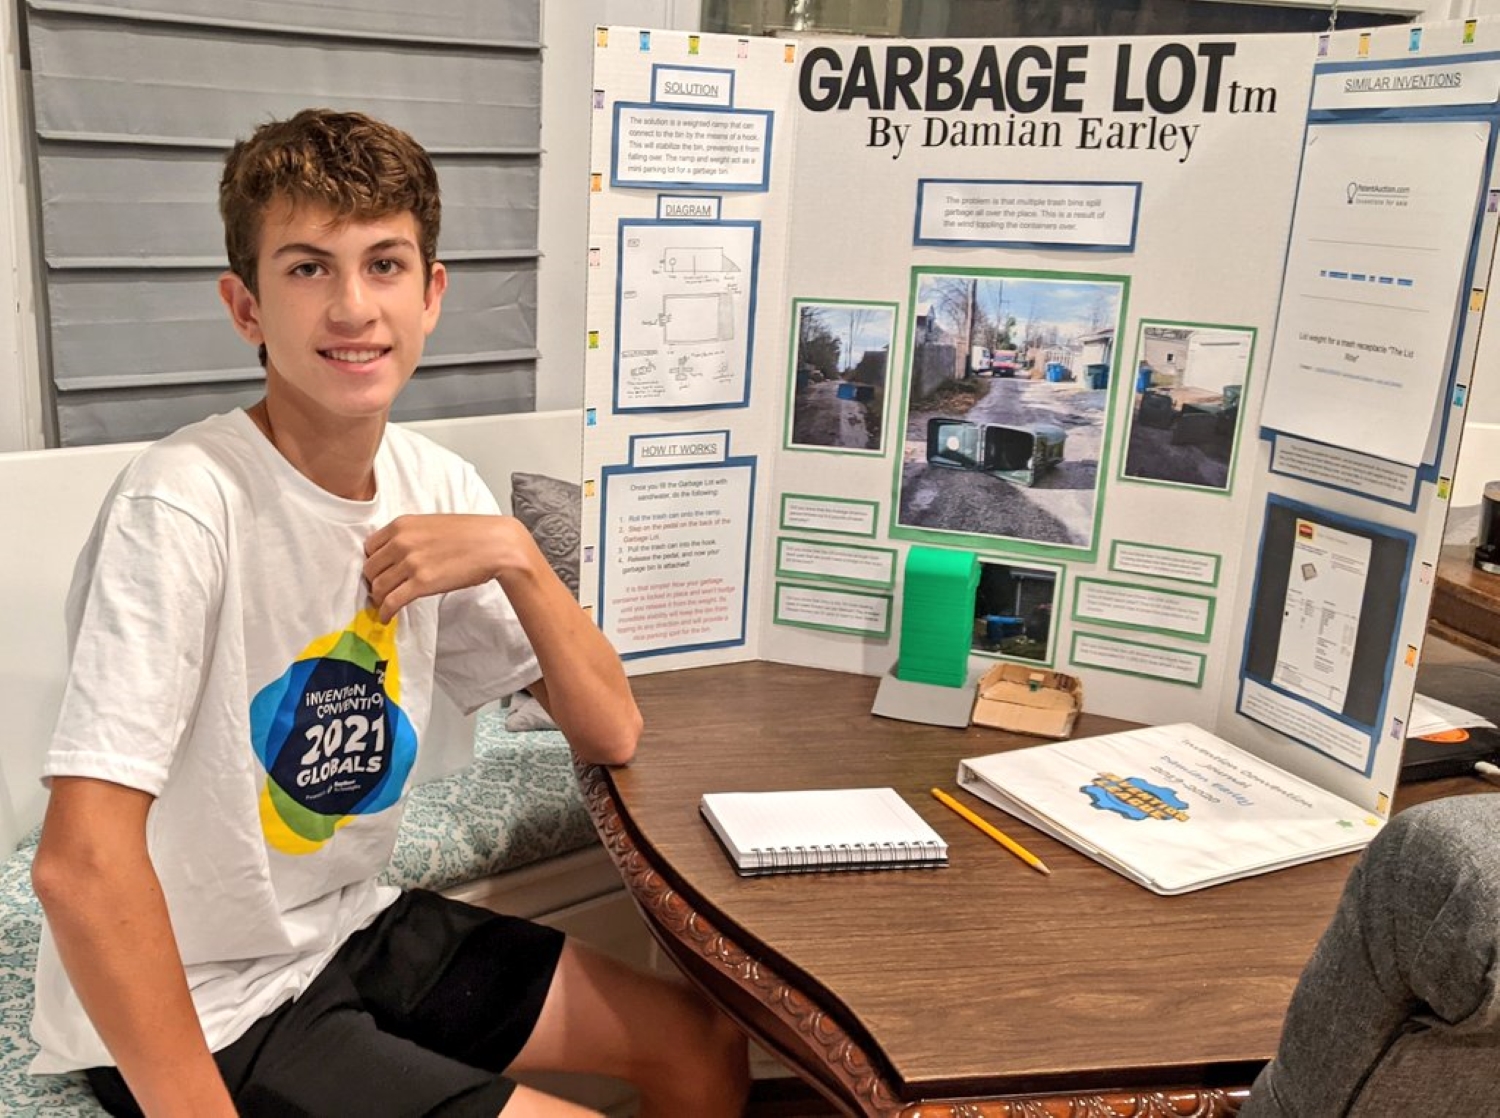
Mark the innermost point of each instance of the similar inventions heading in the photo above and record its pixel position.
(1400, 82)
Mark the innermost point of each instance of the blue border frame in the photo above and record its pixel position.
(922, 184)
(1418, 475)
(657, 67)
(754, 273)
(721, 187)
(1483, 112)
(1369, 529)
(1408, 63)
(607, 473)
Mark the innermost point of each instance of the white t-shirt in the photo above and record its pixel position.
(225, 659)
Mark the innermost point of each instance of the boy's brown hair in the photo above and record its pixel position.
(358, 167)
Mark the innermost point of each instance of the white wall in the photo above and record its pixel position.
(21, 416)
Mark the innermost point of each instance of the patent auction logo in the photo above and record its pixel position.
(1376, 194)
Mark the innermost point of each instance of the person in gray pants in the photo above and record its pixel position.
(1398, 1011)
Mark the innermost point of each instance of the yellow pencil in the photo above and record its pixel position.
(994, 832)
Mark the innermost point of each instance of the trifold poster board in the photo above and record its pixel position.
(1174, 334)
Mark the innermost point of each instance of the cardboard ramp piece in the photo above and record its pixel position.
(1028, 700)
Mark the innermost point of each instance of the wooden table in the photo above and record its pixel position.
(977, 991)
(1465, 603)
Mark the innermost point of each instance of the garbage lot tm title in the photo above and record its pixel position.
(941, 80)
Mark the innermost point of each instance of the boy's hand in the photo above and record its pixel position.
(585, 686)
(415, 556)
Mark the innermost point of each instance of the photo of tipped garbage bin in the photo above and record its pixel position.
(1016, 454)
(1008, 379)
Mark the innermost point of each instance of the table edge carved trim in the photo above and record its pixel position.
(844, 1059)
(1153, 1104)
(847, 1062)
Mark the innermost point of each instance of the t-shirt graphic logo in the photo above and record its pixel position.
(331, 736)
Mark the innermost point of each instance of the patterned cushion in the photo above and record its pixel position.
(518, 803)
(550, 508)
(23, 1095)
(525, 713)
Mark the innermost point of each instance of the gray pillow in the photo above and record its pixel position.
(525, 713)
(550, 508)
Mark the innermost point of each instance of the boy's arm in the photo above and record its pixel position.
(109, 919)
(585, 688)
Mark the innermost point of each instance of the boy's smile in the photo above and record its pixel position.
(342, 308)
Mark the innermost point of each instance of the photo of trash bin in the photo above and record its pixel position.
(1184, 419)
(1008, 398)
(1014, 608)
(837, 388)
(1015, 454)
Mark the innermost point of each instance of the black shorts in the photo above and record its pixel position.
(418, 1014)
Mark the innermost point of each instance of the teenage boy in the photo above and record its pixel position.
(257, 624)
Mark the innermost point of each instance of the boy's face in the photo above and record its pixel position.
(342, 309)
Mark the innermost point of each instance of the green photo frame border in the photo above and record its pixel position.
(1239, 419)
(776, 618)
(1201, 657)
(783, 526)
(791, 378)
(1081, 580)
(781, 573)
(1217, 557)
(1059, 595)
(1011, 545)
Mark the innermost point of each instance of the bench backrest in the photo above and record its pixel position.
(48, 501)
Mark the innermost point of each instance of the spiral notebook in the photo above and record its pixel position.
(814, 831)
